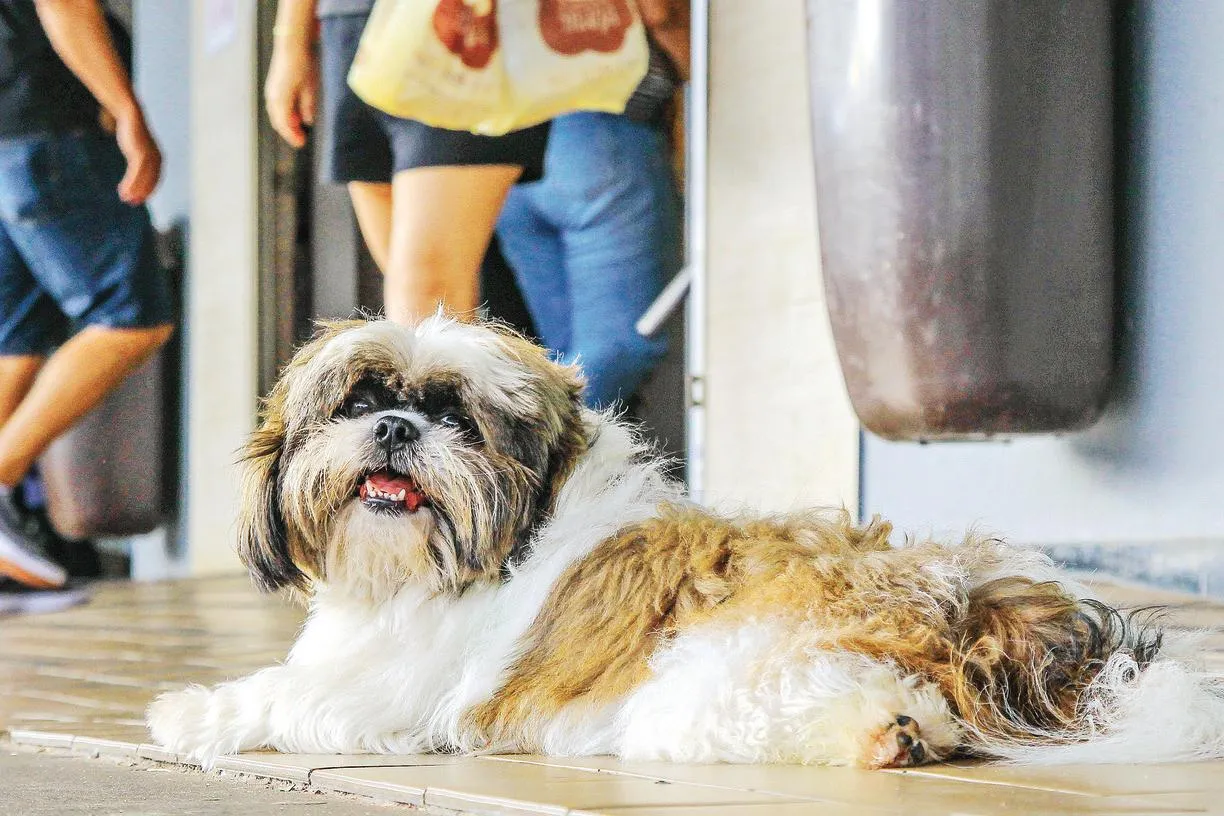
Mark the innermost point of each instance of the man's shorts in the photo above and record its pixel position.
(361, 143)
(72, 254)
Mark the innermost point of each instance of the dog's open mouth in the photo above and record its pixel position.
(387, 492)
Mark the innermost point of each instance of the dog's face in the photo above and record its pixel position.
(391, 454)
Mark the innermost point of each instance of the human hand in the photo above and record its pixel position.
(668, 23)
(144, 159)
(654, 12)
(291, 90)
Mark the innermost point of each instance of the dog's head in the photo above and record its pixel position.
(391, 454)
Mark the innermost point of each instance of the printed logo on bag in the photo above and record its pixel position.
(573, 26)
(468, 29)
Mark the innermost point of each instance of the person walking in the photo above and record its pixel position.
(594, 242)
(83, 300)
(426, 198)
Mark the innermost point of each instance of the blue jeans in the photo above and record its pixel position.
(593, 243)
(72, 254)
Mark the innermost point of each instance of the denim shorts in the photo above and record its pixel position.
(72, 254)
(361, 143)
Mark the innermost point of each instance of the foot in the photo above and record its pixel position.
(899, 744)
(79, 557)
(23, 555)
(19, 599)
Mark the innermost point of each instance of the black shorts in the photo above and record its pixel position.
(361, 143)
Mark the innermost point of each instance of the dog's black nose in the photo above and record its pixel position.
(395, 432)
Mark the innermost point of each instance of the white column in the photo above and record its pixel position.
(221, 281)
(779, 429)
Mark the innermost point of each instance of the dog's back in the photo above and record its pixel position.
(995, 653)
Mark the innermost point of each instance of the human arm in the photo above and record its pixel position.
(79, 34)
(668, 22)
(291, 88)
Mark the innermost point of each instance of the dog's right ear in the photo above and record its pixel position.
(263, 536)
(265, 543)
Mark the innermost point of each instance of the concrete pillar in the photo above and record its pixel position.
(221, 330)
(780, 431)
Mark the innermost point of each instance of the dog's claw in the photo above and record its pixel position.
(897, 745)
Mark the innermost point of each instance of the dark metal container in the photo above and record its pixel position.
(964, 188)
(106, 476)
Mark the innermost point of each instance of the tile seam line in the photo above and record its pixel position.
(787, 798)
(310, 775)
(610, 772)
(998, 783)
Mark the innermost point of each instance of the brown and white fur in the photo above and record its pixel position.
(536, 584)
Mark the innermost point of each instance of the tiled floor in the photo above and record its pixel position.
(79, 680)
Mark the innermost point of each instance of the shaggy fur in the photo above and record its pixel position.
(554, 592)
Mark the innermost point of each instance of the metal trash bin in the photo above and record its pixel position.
(964, 164)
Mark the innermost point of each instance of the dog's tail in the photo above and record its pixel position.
(1041, 677)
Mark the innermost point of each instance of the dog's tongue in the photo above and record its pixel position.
(388, 483)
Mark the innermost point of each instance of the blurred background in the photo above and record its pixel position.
(754, 399)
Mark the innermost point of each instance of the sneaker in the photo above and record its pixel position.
(80, 557)
(17, 598)
(23, 556)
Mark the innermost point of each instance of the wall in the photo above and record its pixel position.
(161, 33)
(221, 321)
(779, 429)
(1152, 471)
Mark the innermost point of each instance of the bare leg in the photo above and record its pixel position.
(17, 374)
(73, 381)
(372, 204)
(443, 218)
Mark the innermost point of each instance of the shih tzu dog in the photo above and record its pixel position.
(491, 567)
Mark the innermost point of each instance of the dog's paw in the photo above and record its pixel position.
(899, 744)
(196, 723)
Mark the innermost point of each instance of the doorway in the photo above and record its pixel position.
(313, 265)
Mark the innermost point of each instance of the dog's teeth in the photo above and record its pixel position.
(374, 492)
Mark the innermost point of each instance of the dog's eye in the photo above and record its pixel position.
(461, 423)
(355, 407)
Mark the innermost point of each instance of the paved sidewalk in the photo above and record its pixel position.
(78, 681)
(47, 783)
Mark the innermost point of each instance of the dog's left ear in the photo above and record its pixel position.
(558, 391)
(263, 536)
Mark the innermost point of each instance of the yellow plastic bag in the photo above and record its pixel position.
(493, 66)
